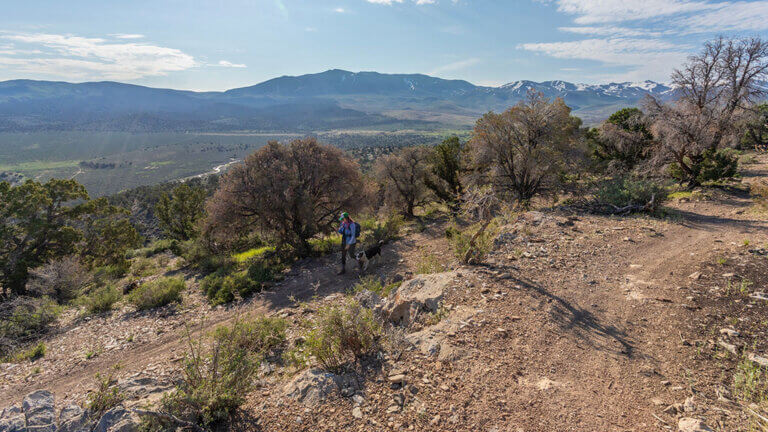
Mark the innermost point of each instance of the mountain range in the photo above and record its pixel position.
(333, 99)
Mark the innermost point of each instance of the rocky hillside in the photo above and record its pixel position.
(575, 322)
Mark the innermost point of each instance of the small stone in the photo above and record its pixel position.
(687, 424)
(393, 409)
(396, 379)
(695, 275)
(674, 409)
(357, 399)
(357, 413)
(398, 399)
(731, 348)
(729, 332)
(689, 405)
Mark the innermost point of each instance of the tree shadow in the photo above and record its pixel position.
(583, 324)
(695, 220)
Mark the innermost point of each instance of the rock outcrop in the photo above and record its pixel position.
(424, 293)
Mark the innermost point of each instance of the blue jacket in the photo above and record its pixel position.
(347, 231)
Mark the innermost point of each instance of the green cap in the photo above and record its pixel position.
(344, 216)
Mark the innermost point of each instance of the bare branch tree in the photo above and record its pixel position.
(521, 151)
(403, 176)
(716, 89)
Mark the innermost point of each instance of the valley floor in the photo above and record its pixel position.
(578, 322)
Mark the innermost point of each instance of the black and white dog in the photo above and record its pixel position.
(364, 258)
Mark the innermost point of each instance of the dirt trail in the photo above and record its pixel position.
(598, 339)
(310, 278)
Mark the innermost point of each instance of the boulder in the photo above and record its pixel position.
(12, 420)
(72, 418)
(687, 424)
(39, 411)
(424, 293)
(313, 386)
(118, 419)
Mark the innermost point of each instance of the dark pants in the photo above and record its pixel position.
(347, 249)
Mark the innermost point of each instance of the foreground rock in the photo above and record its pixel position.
(313, 386)
(38, 411)
(422, 294)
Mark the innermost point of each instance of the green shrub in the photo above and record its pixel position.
(750, 382)
(389, 230)
(265, 270)
(464, 249)
(257, 336)
(106, 396)
(102, 299)
(157, 293)
(141, 267)
(241, 284)
(25, 319)
(339, 333)
(111, 272)
(252, 253)
(216, 377)
(429, 263)
(154, 248)
(34, 317)
(626, 191)
(216, 289)
(324, 245)
(30, 354)
(217, 264)
(710, 166)
(374, 284)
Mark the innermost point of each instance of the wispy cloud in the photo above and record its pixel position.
(642, 58)
(457, 65)
(643, 37)
(340, 10)
(127, 36)
(224, 63)
(611, 31)
(606, 11)
(75, 57)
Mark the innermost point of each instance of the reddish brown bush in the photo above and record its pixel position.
(286, 193)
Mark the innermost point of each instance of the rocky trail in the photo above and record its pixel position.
(577, 322)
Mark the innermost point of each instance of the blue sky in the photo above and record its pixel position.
(215, 45)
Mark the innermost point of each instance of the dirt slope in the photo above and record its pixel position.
(584, 324)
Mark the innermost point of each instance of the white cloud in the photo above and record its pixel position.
(642, 58)
(74, 57)
(606, 11)
(611, 31)
(224, 63)
(458, 65)
(127, 36)
(732, 16)
(634, 36)
(340, 10)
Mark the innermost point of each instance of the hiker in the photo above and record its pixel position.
(349, 231)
